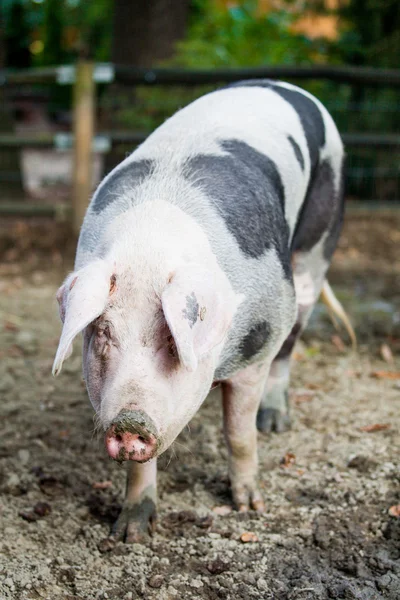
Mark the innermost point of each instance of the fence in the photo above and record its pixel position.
(86, 76)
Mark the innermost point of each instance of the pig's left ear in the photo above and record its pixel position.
(199, 311)
(82, 298)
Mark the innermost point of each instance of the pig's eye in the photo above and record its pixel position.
(103, 332)
(103, 339)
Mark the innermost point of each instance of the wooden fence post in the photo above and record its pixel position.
(84, 116)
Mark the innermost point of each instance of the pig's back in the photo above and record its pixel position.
(239, 161)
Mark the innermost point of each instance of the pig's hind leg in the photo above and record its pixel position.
(314, 242)
(138, 514)
(273, 413)
(241, 398)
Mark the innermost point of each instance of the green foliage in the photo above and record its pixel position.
(240, 36)
(234, 37)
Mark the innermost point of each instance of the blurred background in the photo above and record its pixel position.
(37, 106)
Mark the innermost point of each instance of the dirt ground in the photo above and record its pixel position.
(328, 483)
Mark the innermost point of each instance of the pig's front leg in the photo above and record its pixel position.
(241, 399)
(138, 514)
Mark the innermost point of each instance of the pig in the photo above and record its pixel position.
(200, 259)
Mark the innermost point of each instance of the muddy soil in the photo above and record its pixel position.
(328, 483)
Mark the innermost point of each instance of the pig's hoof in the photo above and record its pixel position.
(248, 498)
(136, 522)
(272, 419)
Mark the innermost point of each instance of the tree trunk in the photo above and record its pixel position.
(2, 42)
(145, 31)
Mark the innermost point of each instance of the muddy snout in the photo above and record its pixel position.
(132, 436)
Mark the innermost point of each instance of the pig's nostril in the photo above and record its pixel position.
(141, 439)
(118, 437)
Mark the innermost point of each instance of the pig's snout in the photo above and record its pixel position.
(132, 436)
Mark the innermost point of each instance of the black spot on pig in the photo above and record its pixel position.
(255, 340)
(297, 152)
(322, 211)
(192, 309)
(122, 182)
(309, 114)
(310, 117)
(246, 189)
(289, 343)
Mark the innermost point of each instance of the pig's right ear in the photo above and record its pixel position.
(82, 298)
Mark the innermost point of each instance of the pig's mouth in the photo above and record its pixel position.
(132, 435)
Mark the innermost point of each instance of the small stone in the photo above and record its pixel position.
(262, 584)
(7, 382)
(26, 340)
(156, 581)
(196, 583)
(9, 582)
(28, 515)
(23, 456)
(42, 509)
(217, 566)
(106, 545)
(205, 522)
(223, 510)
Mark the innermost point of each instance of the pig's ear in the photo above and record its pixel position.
(82, 298)
(198, 310)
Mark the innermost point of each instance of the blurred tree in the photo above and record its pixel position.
(373, 33)
(2, 41)
(145, 31)
(17, 37)
(240, 34)
(54, 18)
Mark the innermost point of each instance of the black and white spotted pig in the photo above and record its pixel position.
(200, 259)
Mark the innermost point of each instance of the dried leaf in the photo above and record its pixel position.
(288, 460)
(10, 326)
(375, 427)
(248, 536)
(222, 510)
(304, 396)
(338, 343)
(315, 386)
(101, 485)
(385, 375)
(394, 511)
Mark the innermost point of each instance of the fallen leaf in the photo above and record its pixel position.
(222, 510)
(101, 485)
(9, 326)
(315, 386)
(297, 356)
(338, 343)
(375, 427)
(386, 354)
(304, 396)
(288, 460)
(394, 511)
(385, 375)
(248, 536)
